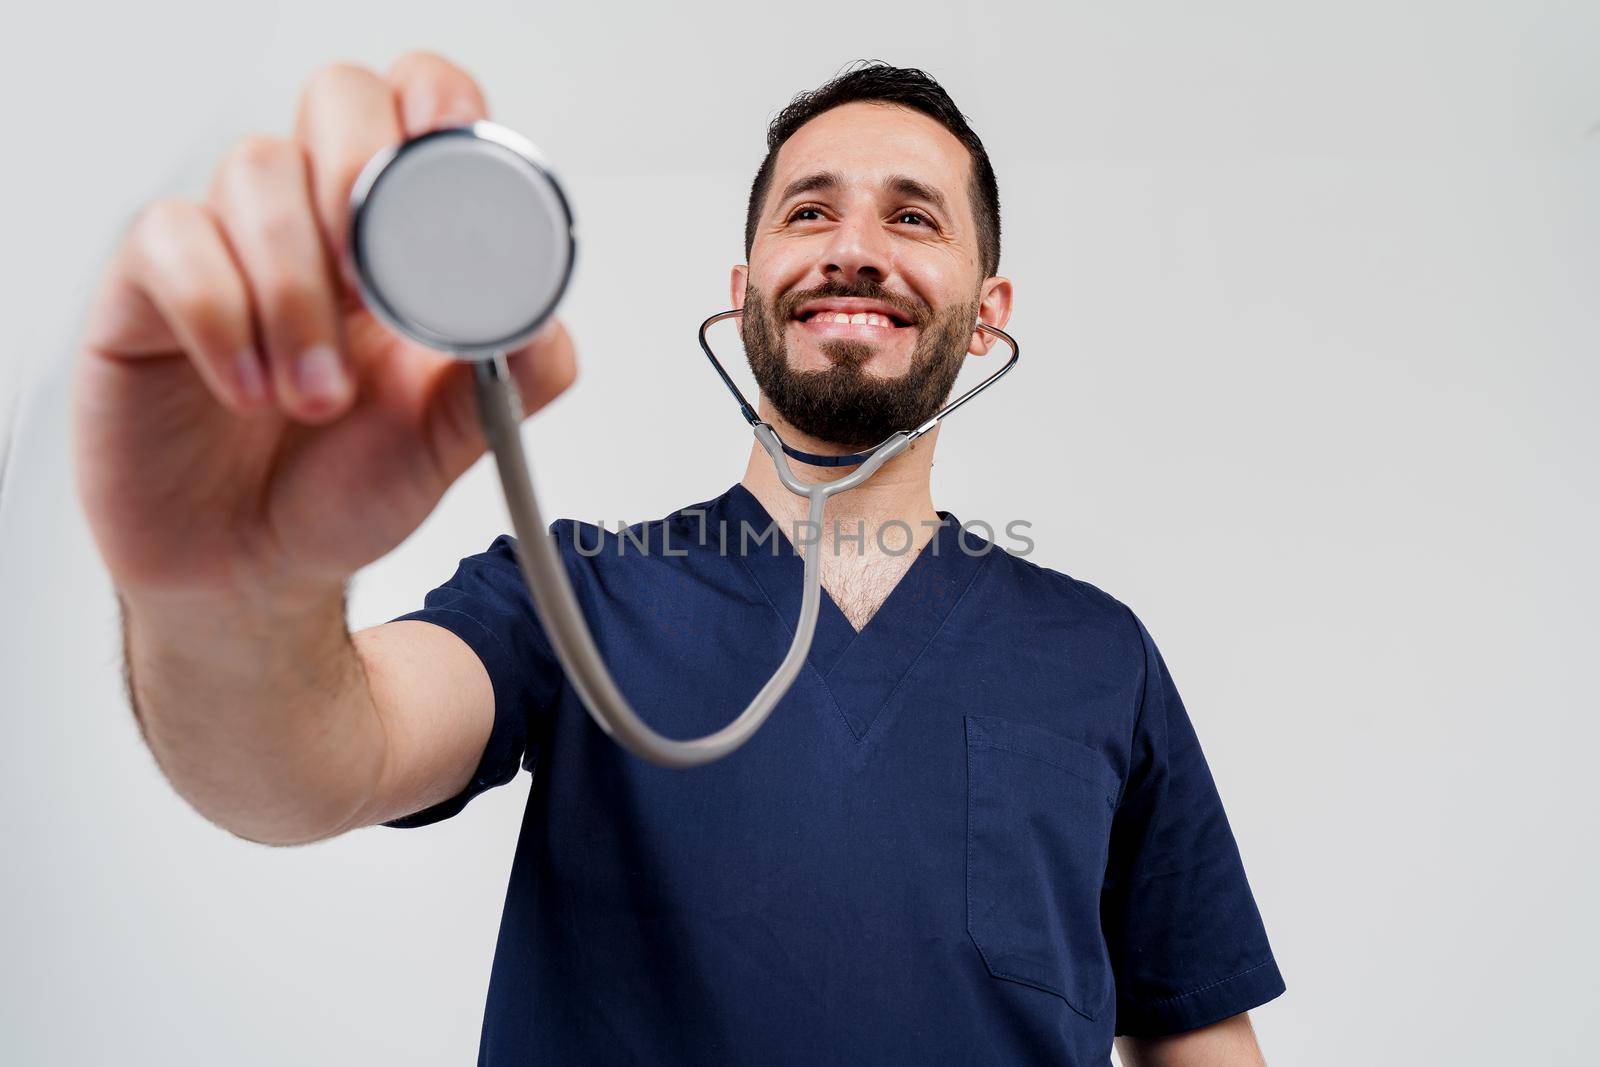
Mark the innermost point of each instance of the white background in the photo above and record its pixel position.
(1306, 295)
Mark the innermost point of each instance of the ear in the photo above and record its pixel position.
(994, 307)
(737, 282)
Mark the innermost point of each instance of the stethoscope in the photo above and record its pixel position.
(463, 241)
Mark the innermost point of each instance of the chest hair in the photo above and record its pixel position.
(860, 584)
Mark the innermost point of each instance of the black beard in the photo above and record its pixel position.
(843, 405)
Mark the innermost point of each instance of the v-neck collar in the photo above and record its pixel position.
(861, 670)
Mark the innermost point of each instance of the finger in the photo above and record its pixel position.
(544, 368)
(173, 287)
(345, 117)
(434, 93)
(263, 201)
(542, 371)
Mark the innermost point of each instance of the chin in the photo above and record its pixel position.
(877, 361)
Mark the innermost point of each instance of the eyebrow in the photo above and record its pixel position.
(896, 183)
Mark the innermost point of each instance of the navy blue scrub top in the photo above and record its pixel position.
(981, 830)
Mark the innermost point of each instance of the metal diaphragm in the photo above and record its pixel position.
(462, 239)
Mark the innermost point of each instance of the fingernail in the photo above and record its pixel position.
(429, 113)
(419, 111)
(252, 381)
(319, 375)
(455, 112)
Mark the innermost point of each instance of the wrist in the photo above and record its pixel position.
(287, 616)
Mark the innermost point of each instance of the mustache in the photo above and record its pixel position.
(915, 313)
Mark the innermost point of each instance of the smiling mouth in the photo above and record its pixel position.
(864, 325)
(825, 327)
(860, 318)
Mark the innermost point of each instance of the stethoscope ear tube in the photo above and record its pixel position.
(549, 585)
(815, 460)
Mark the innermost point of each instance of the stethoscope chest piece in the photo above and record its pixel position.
(462, 239)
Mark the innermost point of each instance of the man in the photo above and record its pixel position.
(979, 828)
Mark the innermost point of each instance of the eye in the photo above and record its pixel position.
(802, 209)
(914, 215)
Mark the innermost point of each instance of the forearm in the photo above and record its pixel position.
(1229, 1043)
(259, 714)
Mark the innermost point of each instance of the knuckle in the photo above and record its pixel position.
(333, 72)
(163, 217)
(337, 76)
(260, 152)
(288, 302)
(438, 80)
(205, 309)
(282, 229)
(422, 63)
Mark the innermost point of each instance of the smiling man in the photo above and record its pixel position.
(979, 828)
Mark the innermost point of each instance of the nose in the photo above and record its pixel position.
(857, 250)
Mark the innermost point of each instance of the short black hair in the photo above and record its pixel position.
(872, 81)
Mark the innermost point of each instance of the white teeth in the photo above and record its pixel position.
(860, 318)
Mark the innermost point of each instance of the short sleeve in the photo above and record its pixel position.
(486, 604)
(1187, 944)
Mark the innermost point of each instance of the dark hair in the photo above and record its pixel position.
(876, 82)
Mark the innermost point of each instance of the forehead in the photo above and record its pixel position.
(866, 142)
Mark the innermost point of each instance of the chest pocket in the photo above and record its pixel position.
(1038, 826)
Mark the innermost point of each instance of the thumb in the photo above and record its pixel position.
(542, 370)
(544, 367)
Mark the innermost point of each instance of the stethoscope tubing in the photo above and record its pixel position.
(557, 606)
(556, 603)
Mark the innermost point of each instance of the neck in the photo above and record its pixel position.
(898, 492)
